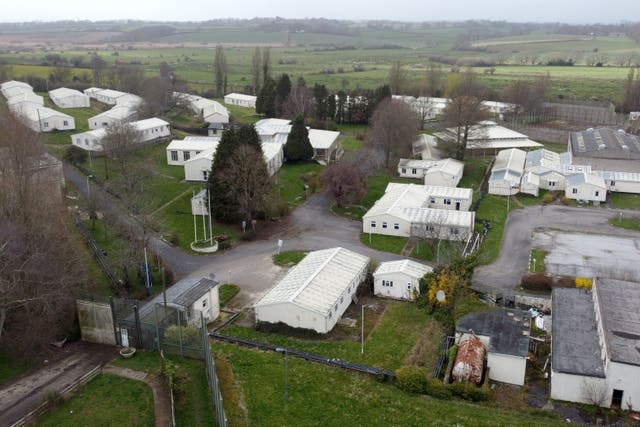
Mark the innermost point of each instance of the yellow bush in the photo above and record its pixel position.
(447, 282)
(584, 282)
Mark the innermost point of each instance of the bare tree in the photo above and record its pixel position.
(433, 81)
(219, 69)
(393, 130)
(527, 94)
(397, 77)
(299, 103)
(247, 180)
(158, 99)
(594, 392)
(464, 110)
(130, 79)
(98, 66)
(424, 108)
(344, 182)
(256, 69)
(118, 144)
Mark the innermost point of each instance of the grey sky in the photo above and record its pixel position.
(573, 11)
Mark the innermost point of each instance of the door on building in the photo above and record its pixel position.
(616, 398)
(457, 206)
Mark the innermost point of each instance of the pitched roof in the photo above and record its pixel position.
(180, 290)
(406, 266)
(605, 143)
(318, 281)
(118, 112)
(586, 178)
(149, 123)
(194, 293)
(508, 330)
(64, 92)
(447, 166)
(196, 144)
(241, 96)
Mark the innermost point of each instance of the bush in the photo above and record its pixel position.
(248, 235)
(584, 282)
(411, 379)
(548, 198)
(74, 155)
(469, 391)
(174, 239)
(436, 388)
(537, 281)
(565, 282)
(175, 378)
(190, 336)
(565, 200)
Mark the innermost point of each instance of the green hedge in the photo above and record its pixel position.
(413, 380)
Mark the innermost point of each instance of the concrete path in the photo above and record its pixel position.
(503, 276)
(161, 397)
(22, 396)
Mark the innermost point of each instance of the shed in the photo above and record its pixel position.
(586, 187)
(181, 151)
(399, 279)
(507, 172)
(69, 98)
(468, 366)
(446, 172)
(505, 335)
(108, 96)
(241, 100)
(118, 114)
(315, 293)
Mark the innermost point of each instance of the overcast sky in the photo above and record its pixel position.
(572, 11)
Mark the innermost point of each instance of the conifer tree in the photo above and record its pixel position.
(298, 147)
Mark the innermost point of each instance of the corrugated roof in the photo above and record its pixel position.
(619, 176)
(605, 143)
(508, 330)
(196, 144)
(118, 113)
(194, 293)
(432, 190)
(441, 217)
(41, 113)
(575, 345)
(173, 292)
(586, 178)
(318, 281)
(406, 266)
(149, 123)
(447, 166)
(618, 303)
(64, 92)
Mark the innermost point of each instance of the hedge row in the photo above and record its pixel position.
(414, 380)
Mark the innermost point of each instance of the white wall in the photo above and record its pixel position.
(408, 172)
(194, 169)
(404, 227)
(559, 179)
(208, 305)
(623, 186)
(399, 286)
(105, 99)
(502, 188)
(53, 123)
(506, 368)
(215, 117)
(571, 387)
(155, 132)
(626, 378)
(239, 102)
(86, 142)
(586, 192)
(181, 161)
(439, 203)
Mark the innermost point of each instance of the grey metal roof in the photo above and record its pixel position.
(605, 143)
(618, 304)
(174, 293)
(575, 346)
(508, 330)
(194, 293)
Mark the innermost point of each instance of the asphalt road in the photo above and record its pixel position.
(503, 276)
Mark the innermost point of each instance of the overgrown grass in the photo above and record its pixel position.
(624, 200)
(629, 223)
(381, 242)
(227, 292)
(107, 400)
(289, 183)
(536, 265)
(429, 251)
(288, 258)
(320, 395)
(351, 144)
(387, 346)
(494, 209)
(194, 407)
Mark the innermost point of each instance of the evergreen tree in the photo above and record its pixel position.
(320, 95)
(247, 135)
(298, 147)
(223, 206)
(266, 102)
(283, 89)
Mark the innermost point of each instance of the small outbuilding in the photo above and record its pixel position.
(446, 172)
(399, 279)
(586, 187)
(108, 96)
(118, 114)
(69, 98)
(505, 336)
(241, 100)
(315, 293)
(507, 172)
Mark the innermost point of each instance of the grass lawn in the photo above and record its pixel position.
(227, 292)
(625, 200)
(380, 242)
(107, 400)
(242, 114)
(288, 258)
(389, 345)
(194, 407)
(12, 367)
(629, 222)
(324, 396)
(377, 184)
(494, 209)
(351, 144)
(429, 250)
(537, 261)
(353, 212)
(289, 183)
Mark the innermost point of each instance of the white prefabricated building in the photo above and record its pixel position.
(399, 279)
(315, 293)
(69, 98)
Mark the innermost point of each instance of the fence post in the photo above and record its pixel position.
(112, 304)
(180, 334)
(138, 329)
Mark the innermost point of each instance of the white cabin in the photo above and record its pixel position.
(399, 279)
(241, 100)
(69, 98)
(586, 187)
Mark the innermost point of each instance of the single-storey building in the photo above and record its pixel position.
(92, 92)
(507, 172)
(621, 182)
(150, 129)
(69, 98)
(530, 184)
(605, 149)
(549, 167)
(207, 109)
(109, 96)
(43, 119)
(118, 114)
(445, 173)
(404, 210)
(316, 292)
(595, 339)
(425, 147)
(194, 297)
(399, 279)
(180, 151)
(487, 139)
(24, 97)
(129, 100)
(586, 187)
(505, 335)
(7, 88)
(241, 100)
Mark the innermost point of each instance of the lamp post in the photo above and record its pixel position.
(286, 368)
(362, 331)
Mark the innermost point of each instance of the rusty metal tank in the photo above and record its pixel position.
(469, 363)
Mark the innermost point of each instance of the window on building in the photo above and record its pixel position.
(613, 183)
(574, 191)
(65, 123)
(204, 303)
(46, 124)
(414, 171)
(447, 201)
(341, 300)
(455, 231)
(373, 224)
(174, 156)
(205, 175)
(396, 226)
(404, 170)
(409, 286)
(186, 155)
(432, 200)
(335, 308)
(552, 183)
(597, 193)
(429, 228)
(384, 224)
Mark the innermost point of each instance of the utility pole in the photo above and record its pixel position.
(362, 331)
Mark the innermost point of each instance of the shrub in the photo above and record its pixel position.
(190, 335)
(175, 378)
(436, 388)
(174, 239)
(565, 282)
(469, 391)
(74, 155)
(538, 281)
(584, 282)
(565, 200)
(411, 379)
(248, 235)
(548, 198)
